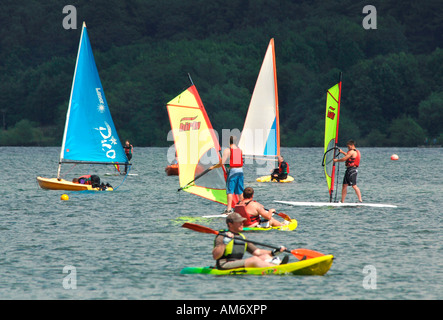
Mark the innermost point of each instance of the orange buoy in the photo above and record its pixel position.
(394, 157)
(64, 197)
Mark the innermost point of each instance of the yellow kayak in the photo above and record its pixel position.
(289, 227)
(268, 179)
(314, 266)
(61, 184)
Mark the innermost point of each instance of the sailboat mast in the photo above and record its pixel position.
(336, 140)
(277, 127)
(69, 106)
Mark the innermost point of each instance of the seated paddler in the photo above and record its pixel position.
(255, 213)
(229, 251)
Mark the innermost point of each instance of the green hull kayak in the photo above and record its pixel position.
(314, 266)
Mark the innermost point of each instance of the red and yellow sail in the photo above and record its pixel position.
(197, 147)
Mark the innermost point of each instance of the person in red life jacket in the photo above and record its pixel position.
(128, 151)
(280, 173)
(258, 215)
(352, 161)
(235, 179)
(229, 252)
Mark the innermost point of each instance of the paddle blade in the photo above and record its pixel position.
(284, 216)
(199, 228)
(309, 254)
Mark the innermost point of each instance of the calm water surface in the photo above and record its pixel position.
(128, 244)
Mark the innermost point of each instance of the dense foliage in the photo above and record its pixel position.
(392, 76)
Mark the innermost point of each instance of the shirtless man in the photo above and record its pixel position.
(259, 215)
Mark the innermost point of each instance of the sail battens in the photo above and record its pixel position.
(332, 96)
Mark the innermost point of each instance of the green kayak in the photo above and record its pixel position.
(314, 266)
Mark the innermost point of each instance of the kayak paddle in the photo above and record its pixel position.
(283, 215)
(298, 253)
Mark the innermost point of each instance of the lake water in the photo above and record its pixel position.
(129, 244)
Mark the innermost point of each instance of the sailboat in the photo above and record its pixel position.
(260, 136)
(89, 136)
(197, 147)
(331, 152)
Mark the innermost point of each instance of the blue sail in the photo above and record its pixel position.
(90, 134)
(271, 142)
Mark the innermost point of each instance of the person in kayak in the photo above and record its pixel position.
(228, 252)
(258, 215)
(352, 161)
(235, 179)
(280, 173)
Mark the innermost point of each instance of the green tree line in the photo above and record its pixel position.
(392, 93)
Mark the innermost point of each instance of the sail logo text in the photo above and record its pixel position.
(101, 106)
(188, 123)
(108, 140)
(331, 113)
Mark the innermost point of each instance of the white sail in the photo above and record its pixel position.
(261, 132)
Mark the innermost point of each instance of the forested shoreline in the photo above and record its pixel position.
(392, 92)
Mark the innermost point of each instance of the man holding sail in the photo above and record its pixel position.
(235, 180)
(352, 161)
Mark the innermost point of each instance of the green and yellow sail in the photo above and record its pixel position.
(197, 147)
(331, 134)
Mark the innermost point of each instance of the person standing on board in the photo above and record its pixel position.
(128, 151)
(259, 216)
(352, 161)
(235, 180)
(280, 173)
(229, 252)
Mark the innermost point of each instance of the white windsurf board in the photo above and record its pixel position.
(336, 204)
(215, 216)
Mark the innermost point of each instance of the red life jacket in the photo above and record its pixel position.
(236, 158)
(241, 209)
(281, 170)
(354, 162)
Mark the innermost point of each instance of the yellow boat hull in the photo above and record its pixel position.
(289, 227)
(268, 179)
(61, 184)
(315, 266)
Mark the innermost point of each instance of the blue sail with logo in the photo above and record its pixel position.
(90, 135)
